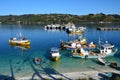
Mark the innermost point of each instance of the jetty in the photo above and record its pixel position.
(108, 28)
(59, 26)
(54, 26)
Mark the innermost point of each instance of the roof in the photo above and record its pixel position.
(54, 49)
(107, 45)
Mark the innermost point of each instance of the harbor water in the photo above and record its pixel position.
(19, 60)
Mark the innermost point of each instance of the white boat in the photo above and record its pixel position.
(103, 61)
(81, 43)
(104, 51)
(108, 63)
(55, 54)
(81, 28)
(74, 30)
(70, 27)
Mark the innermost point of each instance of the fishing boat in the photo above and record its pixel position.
(23, 41)
(19, 40)
(77, 44)
(70, 27)
(55, 54)
(82, 28)
(104, 51)
(81, 41)
(78, 30)
(72, 45)
(37, 60)
(73, 30)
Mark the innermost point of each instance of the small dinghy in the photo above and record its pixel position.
(109, 74)
(105, 62)
(37, 60)
(112, 76)
(113, 65)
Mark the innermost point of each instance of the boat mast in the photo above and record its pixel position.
(99, 43)
(20, 26)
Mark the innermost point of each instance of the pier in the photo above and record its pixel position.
(54, 26)
(108, 28)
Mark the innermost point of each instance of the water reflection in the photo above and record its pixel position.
(20, 47)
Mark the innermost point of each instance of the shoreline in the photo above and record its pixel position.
(97, 75)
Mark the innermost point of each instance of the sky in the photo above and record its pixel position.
(75, 7)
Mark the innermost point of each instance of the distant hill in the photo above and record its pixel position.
(59, 18)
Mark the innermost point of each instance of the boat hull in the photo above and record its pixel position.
(84, 42)
(19, 43)
(78, 56)
(55, 58)
(76, 32)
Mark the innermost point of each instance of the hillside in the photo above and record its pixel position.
(58, 18)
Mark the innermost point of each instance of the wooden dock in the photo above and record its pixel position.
(108, 28)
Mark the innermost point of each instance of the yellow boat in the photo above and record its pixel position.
(21, 42)
(76, 32)
(55, 58)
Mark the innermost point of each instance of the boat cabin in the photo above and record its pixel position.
(107, 48)
(54, 52)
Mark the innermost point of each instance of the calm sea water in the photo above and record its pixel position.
(20, 61)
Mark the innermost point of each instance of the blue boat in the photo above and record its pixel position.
(109, 74)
